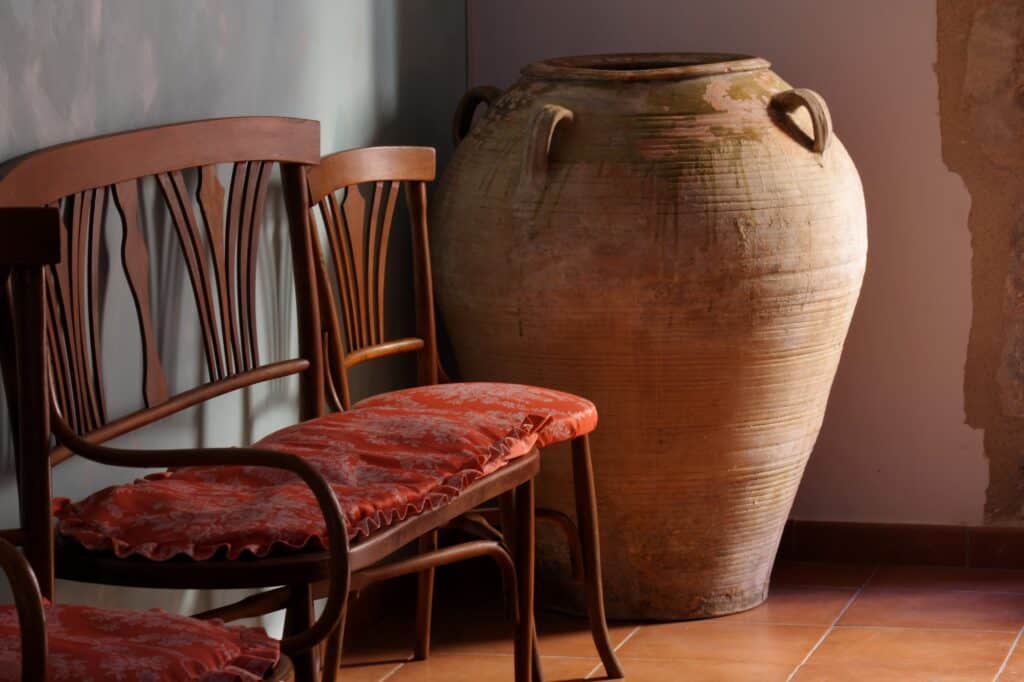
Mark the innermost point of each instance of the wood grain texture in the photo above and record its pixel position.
(684, 260)
(353, 333)
(356, 194)
(135, 261)
(61, 299)
(217, 233)
(56, 172)
(218, 245)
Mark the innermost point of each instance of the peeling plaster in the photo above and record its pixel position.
(981, 91)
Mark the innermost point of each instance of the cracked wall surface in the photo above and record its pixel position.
(980, 68)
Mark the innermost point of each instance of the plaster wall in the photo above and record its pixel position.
(372, 71)
(894, 447)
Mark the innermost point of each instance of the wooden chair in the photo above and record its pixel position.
(217, 231)
(355, 194)
(30, 242)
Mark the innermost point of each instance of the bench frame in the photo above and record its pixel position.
(54, 379)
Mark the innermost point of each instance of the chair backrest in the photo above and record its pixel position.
(165, 179)
(354, 194)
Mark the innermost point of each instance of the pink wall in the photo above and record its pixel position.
(894, 446)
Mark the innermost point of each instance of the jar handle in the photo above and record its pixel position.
(791, 100)
(538, 144)
(462, 121)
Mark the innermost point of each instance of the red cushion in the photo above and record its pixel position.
(384, 464)
(85, 643)
(565, 415)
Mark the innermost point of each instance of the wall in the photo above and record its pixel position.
(894, 446)
(371, 71)
(980, 85)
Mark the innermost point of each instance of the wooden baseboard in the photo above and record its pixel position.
(971, 546)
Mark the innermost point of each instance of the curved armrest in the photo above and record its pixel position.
(337, 535)
(29, 604)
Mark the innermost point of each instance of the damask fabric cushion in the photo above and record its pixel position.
(567, 415)
(85, 643)
(385, 463)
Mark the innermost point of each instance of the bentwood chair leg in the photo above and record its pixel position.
(332, 653)
(586, 514)
(299, 616)
(509, 528)
(424, 599)
(524, 557)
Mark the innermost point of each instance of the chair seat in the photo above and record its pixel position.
(87, 643)
(565, 416)
(384, 463)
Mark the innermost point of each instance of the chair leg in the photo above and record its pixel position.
(538, 671)
(524, 557)
(299, 616)
(424, 599)
(332, 652)
(509, 529)
(586, 514)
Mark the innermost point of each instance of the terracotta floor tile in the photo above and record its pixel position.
(1014, 671)
(639, 670)
(815, 574)
(488, 632)
(484, 668)
(716, 640)
(898, 654)
(797, 606)
(391, 641)
(875, 673)
(948, 578)
(373, 672)
(936, 608)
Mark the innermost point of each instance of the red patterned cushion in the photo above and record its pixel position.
(384, 464)
(144, 646)
(566, 415)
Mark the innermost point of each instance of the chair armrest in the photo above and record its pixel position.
(29, 605)
(337, 535)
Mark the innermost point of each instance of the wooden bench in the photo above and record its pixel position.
(60, 389)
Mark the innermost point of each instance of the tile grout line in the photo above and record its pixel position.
(394, 671)
(832, 627)
(618, 646)
(913, 628)
(1009, 654)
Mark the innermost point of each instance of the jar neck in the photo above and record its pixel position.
(642, 67)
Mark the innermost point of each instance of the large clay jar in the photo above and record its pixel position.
(681, 238)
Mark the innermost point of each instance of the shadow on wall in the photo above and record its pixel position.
(74, 70)
(981, 81)
(384, 72)
(417, 108)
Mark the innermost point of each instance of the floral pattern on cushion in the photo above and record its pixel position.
(87, 643)
(384, 463)
(567, 416)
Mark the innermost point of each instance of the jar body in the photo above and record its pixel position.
(684, 260)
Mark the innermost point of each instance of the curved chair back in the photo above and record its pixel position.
(355, 193)
(201, 190)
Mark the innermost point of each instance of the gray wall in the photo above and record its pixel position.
(372, 71)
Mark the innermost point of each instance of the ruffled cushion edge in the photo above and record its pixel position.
(518, 442)
(257, 655)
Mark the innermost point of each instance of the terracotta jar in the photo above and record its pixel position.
(680, 238)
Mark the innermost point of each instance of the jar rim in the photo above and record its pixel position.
(643, 66)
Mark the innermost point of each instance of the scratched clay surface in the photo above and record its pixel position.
(689, 264)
